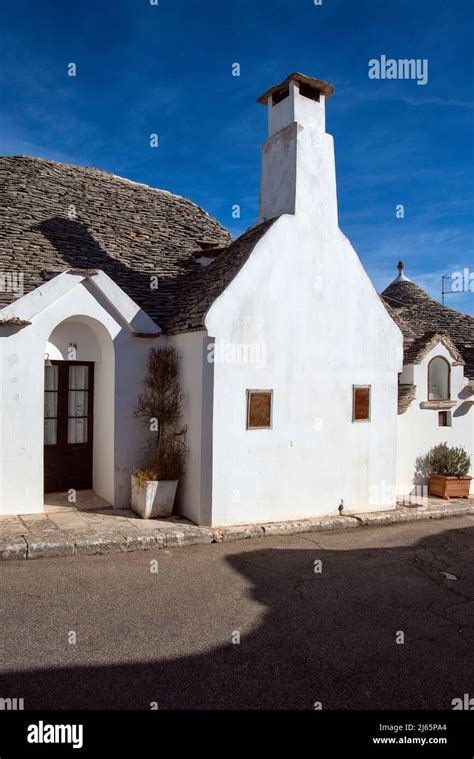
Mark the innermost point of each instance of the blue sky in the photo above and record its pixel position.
(167, 69)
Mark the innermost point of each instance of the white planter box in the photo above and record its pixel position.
(153, 498)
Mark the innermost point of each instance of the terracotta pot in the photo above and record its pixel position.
(449, 487)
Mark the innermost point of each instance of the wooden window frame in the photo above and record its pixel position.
(248, 395)
(369, 417)
(446, 414)
(428, 380)
(52, 418)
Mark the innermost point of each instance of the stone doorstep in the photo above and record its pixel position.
(140, 535)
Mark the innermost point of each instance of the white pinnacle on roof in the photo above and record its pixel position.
(401, 276)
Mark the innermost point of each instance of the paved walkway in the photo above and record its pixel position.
(93, 527)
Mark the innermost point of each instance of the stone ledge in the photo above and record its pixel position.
(414, 514)
(13, 547)
(309, 525)
(101, 538)
(189, 536)
(97, 543)
(145, 542)
(49, 544)
(238, 532)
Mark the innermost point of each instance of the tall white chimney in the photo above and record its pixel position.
(298, 168)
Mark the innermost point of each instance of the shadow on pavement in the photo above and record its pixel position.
(326, 637)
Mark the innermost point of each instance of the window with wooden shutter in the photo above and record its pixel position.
(445, 419)
(361, 403)
(259, 409)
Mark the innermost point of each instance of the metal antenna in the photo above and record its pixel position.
(450, 291)
(443, 291)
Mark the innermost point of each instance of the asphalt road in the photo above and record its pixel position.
(305, 637)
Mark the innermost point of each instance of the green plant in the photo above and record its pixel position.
(449, 462)
(159, 407)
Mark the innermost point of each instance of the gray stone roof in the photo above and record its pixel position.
(55, 217)
(196, 290)
(415, 351)
(421, 319)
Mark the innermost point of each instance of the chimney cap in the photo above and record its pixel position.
(318, 85)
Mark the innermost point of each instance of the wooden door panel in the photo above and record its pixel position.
(52, 476)
(69, 424)
(77, 467)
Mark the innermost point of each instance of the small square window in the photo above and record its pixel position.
(259, 409)
(361, 403)
(444, 419)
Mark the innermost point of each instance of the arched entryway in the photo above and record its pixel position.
(79, 408)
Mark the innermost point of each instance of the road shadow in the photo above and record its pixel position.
(328, 633)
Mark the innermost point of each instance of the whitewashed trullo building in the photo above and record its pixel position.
(304, 388)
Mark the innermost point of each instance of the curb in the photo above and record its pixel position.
(57, 543)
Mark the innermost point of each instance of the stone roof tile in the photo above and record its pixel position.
(55, 217)
(406, 395)
(420, 318)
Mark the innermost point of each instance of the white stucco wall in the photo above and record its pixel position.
(196, 380)
(305, 297)
(74, 311)
(418, 428)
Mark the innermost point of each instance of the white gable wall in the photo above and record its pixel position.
(418, 428)
(304, 295)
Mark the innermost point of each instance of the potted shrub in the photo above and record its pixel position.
(159, 407)
(448, 469)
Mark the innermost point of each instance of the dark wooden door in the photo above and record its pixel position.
(68, 426)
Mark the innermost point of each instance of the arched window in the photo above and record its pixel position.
(439, 379)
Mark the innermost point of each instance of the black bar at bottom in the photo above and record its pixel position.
(151, 734)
